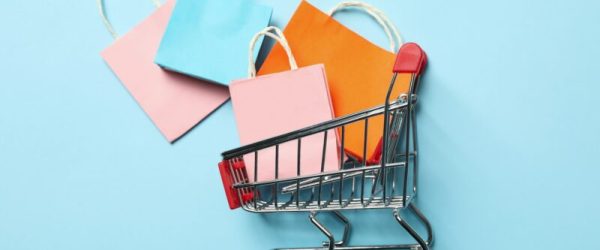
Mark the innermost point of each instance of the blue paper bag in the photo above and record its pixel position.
(208, 39)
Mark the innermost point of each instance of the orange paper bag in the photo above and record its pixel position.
(357, 70)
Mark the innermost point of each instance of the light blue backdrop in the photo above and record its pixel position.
(509, 134)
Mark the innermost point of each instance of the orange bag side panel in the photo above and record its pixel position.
(358, 71)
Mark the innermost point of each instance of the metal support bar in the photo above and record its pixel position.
(342, 245)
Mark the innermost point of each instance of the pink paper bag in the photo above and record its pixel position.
(175, 103)
(274, 104)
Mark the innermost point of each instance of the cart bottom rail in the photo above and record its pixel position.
(332, 244)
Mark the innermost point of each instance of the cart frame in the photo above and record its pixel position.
(389, 184)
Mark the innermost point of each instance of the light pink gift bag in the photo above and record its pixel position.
(274, 104)
(175, 103)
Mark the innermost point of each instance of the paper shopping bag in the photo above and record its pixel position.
(175, 103)
(207, 39)
(357, 70)
(279, 103)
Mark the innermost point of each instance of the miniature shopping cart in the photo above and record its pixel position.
(390, 183)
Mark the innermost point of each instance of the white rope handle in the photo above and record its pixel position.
(389, 28)
(277, 34)
(107, 23)
(156, 3)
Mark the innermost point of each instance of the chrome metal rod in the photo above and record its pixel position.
(386, 117)
(407, 137)
(323, 229)
(309, 183)
(415, 155)
(367, 247)
(276, 185)
(322, 166)
(341, 218)
(425, 222)
(298, 174)
(410, 230)
(298, 178)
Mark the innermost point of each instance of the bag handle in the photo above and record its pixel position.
(107, 23)
(277, 34)
(379, 16)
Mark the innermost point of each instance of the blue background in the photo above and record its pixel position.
(509, 133)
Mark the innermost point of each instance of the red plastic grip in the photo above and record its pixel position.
(227, 178)
(239, 165)
(410, 59)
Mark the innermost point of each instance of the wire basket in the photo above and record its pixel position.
(390, 183)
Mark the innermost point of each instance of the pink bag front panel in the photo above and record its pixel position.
(175, 103)
(279, 103)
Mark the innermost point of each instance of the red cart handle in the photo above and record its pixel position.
(410, 59)
(228, 179)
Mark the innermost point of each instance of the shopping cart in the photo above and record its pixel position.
(389, 184)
